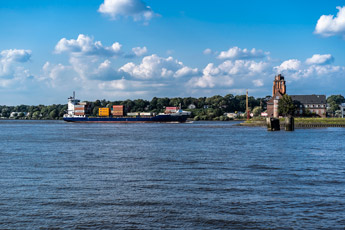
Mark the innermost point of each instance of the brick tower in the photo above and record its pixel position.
(279, 89)
(279, 85)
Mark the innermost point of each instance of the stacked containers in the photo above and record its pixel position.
(117, 110)
(79, 110)
(104, 112)
(171, 109)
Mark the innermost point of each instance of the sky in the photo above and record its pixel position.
(130, 49)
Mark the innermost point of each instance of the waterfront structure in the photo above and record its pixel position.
(315, 104)
(278, 91)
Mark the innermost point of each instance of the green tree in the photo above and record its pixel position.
(334, 101)
(257, 111)
(286, 106)
(53, 114)
(36, 114)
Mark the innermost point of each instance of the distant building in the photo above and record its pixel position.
(231, 115)
(314, 103)
(191, 106)
(342, 108)
(279, 89)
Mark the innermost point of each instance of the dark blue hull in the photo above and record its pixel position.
(158, 118)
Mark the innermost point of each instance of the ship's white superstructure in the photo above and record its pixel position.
(71, 106)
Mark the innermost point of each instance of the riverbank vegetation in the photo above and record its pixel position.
(203, 108)
(299, 121)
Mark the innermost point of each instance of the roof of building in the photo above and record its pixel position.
(309, 99)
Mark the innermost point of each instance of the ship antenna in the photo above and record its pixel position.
(73, 94)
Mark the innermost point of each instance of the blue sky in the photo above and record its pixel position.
(119, 49)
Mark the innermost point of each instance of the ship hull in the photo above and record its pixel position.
(159, 118)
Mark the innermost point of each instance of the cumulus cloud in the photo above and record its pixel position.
(9, 60)
(157, 67)
(292, 64)
(258, 82)
(328, 25)
(84, 45)
(15, 55)
(129, 85)
(186, 71)
(211, 78)
(318, 59)
(316, 67)
(137, 9)
(225, 74)
(139, 51)
(207, 51)
(238, 53)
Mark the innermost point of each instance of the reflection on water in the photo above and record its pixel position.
(203, 175)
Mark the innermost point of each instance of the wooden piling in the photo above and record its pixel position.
(273, 124)
(289, 124)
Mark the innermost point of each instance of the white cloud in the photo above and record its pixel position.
(318, 59)
(207, 51)
(238, 53)
(294, 69)
(228, 73)
(133, 8)
(139, 51)
(85, 45)
(128, 85)
(186, 71)
(292, 64)
(258, 82)
(243, 67)
(15, 55)
(157, 67)
(9, 60)
(328, 25)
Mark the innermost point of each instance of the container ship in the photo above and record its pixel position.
(79, 112)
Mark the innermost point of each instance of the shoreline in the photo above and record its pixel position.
(301, 123)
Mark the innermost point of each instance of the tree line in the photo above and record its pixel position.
(202, 108)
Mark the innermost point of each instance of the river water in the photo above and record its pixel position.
(204, 175)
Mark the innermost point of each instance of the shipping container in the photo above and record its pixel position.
(145, 114)
(171, 108)
(132, 114)
(103, 112)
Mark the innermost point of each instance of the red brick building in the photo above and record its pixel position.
(315, 104)
(279, 89)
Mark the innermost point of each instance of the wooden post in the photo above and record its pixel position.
(273, 124)
(289, 123)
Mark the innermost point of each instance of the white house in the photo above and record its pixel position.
(342, 108)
